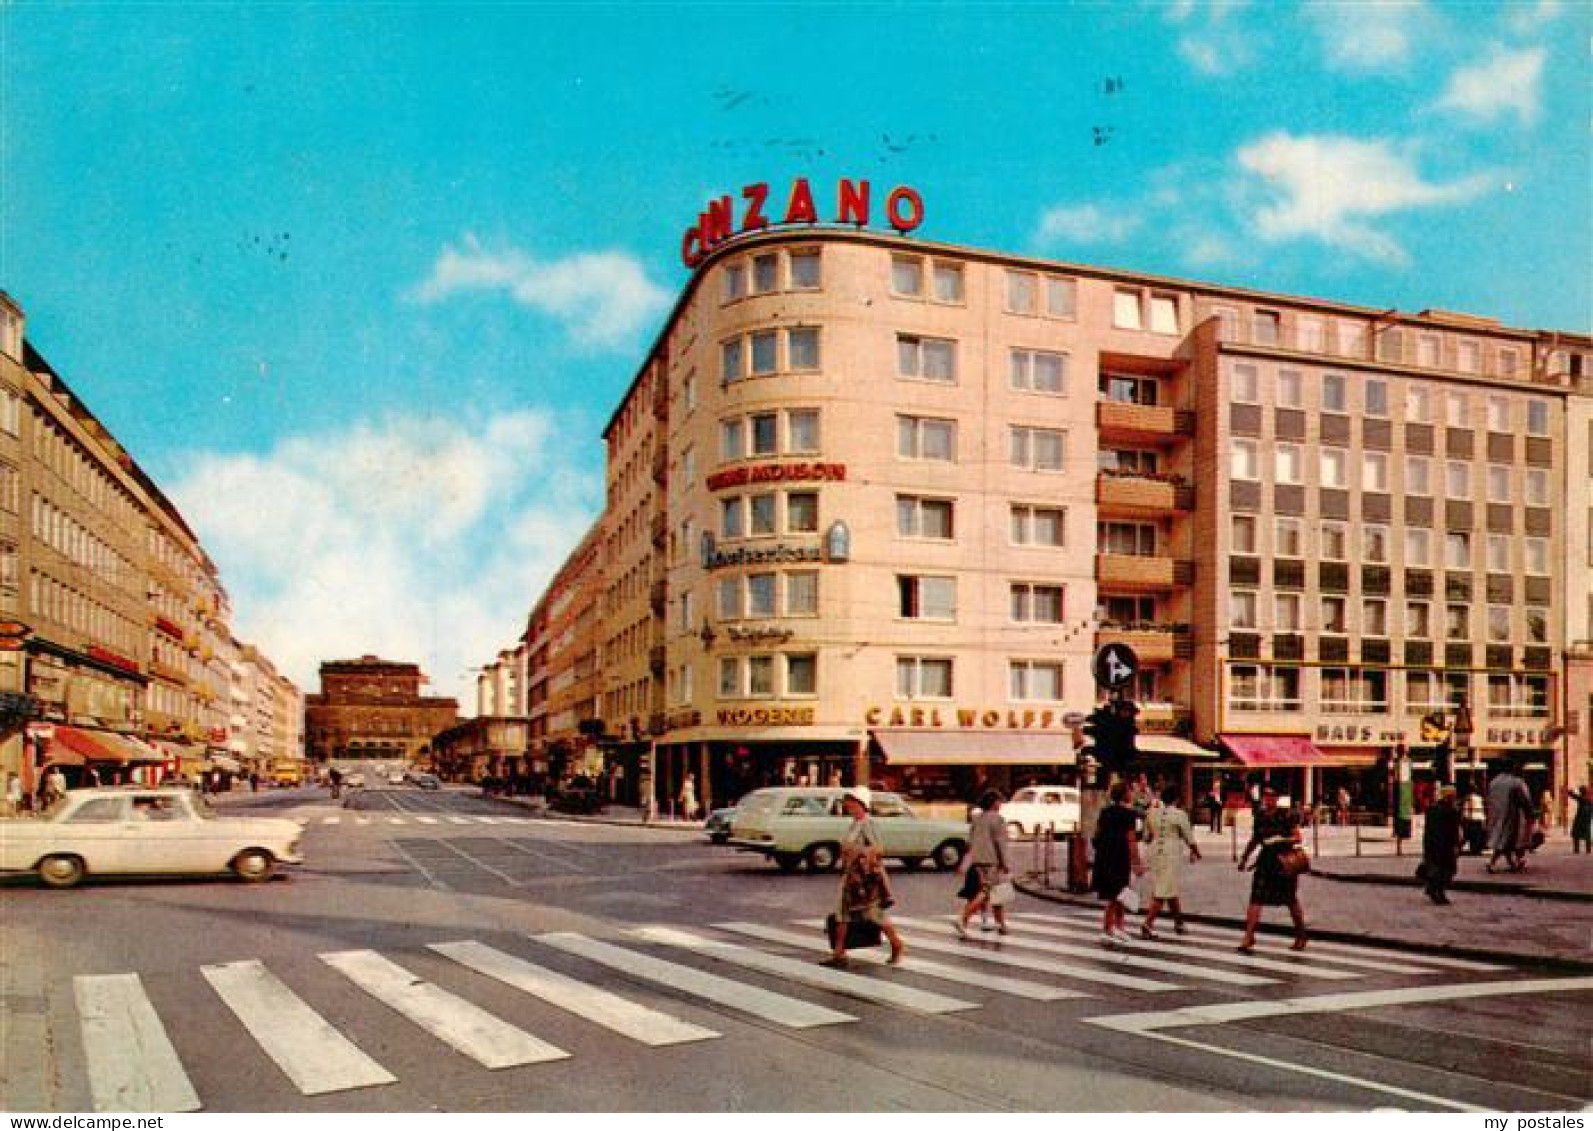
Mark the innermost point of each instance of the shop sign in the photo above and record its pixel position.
(679, 720)
(776, 473)
(758, 633)
(780, 554)
(1357, 734)
(1519, 736)
(904, 211)
(764, 716)
(964, 718)
(115, 659)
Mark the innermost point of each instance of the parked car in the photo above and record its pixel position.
(396, 778)
(1038, 809)
(717, 826)
(793, 824)
(135, 831)
(427, 781)
(355, 781)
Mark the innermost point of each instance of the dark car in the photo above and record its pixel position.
(718, 824)
(427, 781)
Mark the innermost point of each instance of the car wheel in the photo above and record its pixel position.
(912, 863)
(61, 871)
(719, 838)
(253, 865)
(948, 855)
(822, 857)
(788, 861)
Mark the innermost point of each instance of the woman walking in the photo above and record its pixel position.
(1168, 829)
(1442, 837)
(1116, 860)
(987, 863)
(1276, 832)
(865, 891)
(1582, 822)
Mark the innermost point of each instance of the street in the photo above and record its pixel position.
(445, 951)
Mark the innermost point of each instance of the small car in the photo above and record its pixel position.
(718, 824)
(119, 830)
(355, 781)
(1042, 809)
(793, 824)
(395, 779)
(427, 781)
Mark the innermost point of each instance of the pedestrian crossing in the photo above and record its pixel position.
(361, 819)
(736, 973)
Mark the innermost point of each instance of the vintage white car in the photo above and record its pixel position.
(1048, 810)
(792, 824)
(134, 831)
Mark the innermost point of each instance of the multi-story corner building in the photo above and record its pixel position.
(120, 647)
(563, 638)
(874, 504)
(371, 709)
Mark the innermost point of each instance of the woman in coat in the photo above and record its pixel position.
(988, 862)
(1442, 836)
(1116, 860)
(1168, 831)
(865, 891)
(1276, 831)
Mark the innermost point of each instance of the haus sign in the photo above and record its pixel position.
(904, 211)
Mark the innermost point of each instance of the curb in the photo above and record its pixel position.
(1051, 895)
(1473, 887)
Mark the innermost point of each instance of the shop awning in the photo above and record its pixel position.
(1275, 750)
(99, 746)
(225, 762)
(974, 748)
(1173, 745)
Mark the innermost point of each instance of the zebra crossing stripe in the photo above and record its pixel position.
(489, 1041)
(132, 1065)
(459, 820)
(362, 820)
(1300, 968)
(821, 977)
(1017, 987)
(1025, 962)
(427, 820)
(1114, 957)
(793, 1013)
(314, 1055)
(649, 1026)
(331, 820)
(487, 820)
(397, 821)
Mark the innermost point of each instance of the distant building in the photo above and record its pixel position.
(372, 709)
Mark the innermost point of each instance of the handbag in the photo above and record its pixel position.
(1129, 898)
(1294, 861)
(859, 932)
(1002, 893)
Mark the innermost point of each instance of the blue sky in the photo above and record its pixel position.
(360, 283)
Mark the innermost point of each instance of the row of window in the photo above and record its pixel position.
(1332, 543)
(795, 675)
(1333, 610)
(66, 535)
(1333, 466)
(50, 600)
(1279, 687)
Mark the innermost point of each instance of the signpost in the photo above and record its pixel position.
(1111, 730)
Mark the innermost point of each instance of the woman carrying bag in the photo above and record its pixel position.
(1278, 869)
(860, 917)
(988, 865)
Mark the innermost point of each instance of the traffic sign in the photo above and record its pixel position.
(1115, 664)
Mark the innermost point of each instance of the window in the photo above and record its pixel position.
(802, 512)
(1289, 462)
(918, 517)
(1374, 616)
(1418, 475)
(1498, 623)
(1038, 526)
(1130, 610)
(1125, 310)
(1376, 398)
(765, 273)
(1457, 479)
(765, 434)
(927, 438)
(1537, 620)
(1035, 449)
(1418, 404)
(1288, 539)
(765, 345)
(1457, 622)
(1334, 463)
(1427, 350)
(1537, 487)
(735, 281)
(1127, 460)
(732, 439)
(1242, 533)
(729, 594)
(802, 430)
(1418, 546)
(1535, 552)
(1335, 542)
(1244, 461)
(1308, 335)
(1038, 371)
(1468, 357)
(760, 595)
(947, 279)
(923, 677)
(1458, 411)
(1164, 314)
(907, 276)
(1245, 384)
(1260, 687)
(926, 359)
(802, 349)
(1130, 539)
(730, 361)
(1418, 619)
(1498, 553)
(1498, 483)
(1060, 297)
(801, 673)
(1034, 680)
(688, 391)
(1374, 471)
(760, 675)
(1335, 393)
(1020, 292)
(802, 593)
(805, 271)
(1291, 390)
(1333, 614)
(1267, 326)
(730, 516)
(1127, 388)
(926, 598)
(1242, 609)
(1036, 604)
(1537, 418)
(1374, 543)
(1352, 339)
(1286, 614)
(729, 676)
(1498, 414)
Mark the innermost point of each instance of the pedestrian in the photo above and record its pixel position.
(1474, 822)
(1509, 819)
(13, 795)
(988, 863)
(865, 894)
(1214, 807)
(1582, 821)
(1169, 833)
(1116, 860)
(688, 798)
(1442, 837)
(1276, 883)
(1343, 805)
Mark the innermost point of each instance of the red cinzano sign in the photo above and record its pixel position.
(904, 210)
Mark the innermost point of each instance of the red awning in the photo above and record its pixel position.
(975, 748)
(74, 745)
(1280, 750)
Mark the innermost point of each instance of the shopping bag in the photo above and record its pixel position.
(1294, 861)
(1002, 893)
(1129, 898)
(859, 932)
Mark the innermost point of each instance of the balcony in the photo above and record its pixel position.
(1163, 718)
(1137, 495)
(1143, 423)
(1132, 573)
(1152, 643)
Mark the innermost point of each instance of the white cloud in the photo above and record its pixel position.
(415, 538)
(1333, 188)
(602, 298)
(1529, 19)
(1086, 224)
(1374, 35)
(1507, 82)
(1213, 42)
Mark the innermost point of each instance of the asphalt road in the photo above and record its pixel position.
(444, 952)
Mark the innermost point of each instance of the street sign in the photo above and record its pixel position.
(1115, 665)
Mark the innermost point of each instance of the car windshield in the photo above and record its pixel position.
(760, 802)
(1025, 796)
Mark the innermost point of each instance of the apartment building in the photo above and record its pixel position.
(874, 503)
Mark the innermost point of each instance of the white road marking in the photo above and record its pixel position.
(649, 1026)
(427, 820)
(362, 820)
(397, 821)
(486, 1039)
(812, 974)
(1111, 956)
(912, 964)
(482, 864)
(313, 1054)
(331, 820)
(793, 1013)
(459, 820)
(488, 820)
(1300, 967)
(132, 1065)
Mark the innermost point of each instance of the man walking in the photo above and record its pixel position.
(1441, 840)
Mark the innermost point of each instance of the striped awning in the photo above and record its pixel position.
(974, 748)
(75, 745)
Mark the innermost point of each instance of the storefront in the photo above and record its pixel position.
(97, 757)
(1291, 764)
(957, 766)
